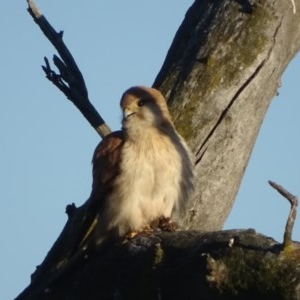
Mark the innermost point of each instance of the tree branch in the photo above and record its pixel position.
(178, 265)
(287, 239)
(69, 80)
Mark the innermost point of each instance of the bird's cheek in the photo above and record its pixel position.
(149, 118)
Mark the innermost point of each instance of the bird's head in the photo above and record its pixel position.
(144, 108)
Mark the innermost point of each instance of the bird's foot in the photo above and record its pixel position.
(166, 224)
(132, 234)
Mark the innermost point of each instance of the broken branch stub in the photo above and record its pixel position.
(287, 238)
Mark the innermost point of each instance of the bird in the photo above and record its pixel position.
(141, 173)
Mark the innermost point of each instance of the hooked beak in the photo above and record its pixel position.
(127, 113)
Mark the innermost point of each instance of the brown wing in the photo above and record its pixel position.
(106, 163)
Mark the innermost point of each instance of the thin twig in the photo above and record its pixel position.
(69, 80)
(287, 239)
(294, 6)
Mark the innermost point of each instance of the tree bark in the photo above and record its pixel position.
(182, 265)
(220, 74)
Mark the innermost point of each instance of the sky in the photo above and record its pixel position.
(46, 145)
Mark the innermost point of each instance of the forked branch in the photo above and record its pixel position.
(69, 79)
(287, 239)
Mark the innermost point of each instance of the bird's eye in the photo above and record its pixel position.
(141, 102)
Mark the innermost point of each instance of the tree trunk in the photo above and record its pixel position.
(219, 76)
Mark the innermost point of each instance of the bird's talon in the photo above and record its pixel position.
(166, 224)
(146, 230)
(131, 235)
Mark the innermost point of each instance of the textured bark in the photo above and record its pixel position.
(220, 74)
(183, 265)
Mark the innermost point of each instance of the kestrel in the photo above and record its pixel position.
(142, 172)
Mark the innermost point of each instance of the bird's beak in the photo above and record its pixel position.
(127, 112)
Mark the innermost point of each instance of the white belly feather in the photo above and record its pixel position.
(148, 187)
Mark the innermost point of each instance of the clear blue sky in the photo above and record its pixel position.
(46, 145)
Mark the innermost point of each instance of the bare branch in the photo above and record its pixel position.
(69, 80)
(294, 6)
(287, 239)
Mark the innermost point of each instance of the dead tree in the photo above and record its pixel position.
(221, 72)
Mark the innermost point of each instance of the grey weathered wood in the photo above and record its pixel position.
(69, 80)
(220, 75)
